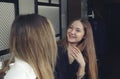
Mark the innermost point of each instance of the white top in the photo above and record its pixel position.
(20, 70)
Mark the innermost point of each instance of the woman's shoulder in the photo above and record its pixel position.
(61, 49)
(20, 70)
(15, 72)
(61, 45)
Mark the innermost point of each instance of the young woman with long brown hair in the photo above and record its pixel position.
(77, 56)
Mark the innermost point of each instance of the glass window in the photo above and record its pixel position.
(7, 15)
(46, 1)
(55, 1)
(52, 13)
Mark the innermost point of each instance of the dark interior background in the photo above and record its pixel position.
(107, 36)
(106, 25)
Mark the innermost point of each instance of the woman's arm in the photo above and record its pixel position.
(77, 55)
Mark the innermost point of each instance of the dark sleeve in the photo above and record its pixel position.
(73, 69)
(56, 75)
(61, 70)
(58, 63)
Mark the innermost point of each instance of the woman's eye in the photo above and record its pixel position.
(78, 30)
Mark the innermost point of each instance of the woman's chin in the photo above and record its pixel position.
(70, 41)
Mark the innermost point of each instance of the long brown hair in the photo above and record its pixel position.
(86, 45)
(32, 39)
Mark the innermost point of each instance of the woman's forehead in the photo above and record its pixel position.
(77, 24)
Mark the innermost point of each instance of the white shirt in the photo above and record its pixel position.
(20, 70)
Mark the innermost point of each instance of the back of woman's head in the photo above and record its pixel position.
(32, 39)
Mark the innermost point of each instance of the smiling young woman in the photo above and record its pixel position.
(76, 52)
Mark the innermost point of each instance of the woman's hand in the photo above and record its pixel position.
(77, 55)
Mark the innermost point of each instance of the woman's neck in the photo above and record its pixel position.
(73, 44)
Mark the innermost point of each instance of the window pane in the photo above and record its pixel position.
(52, 13)
(6, 17)
(43, 1)
(55, 1)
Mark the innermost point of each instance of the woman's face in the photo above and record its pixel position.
(75, 32)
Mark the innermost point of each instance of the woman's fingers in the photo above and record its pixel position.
(76, 53)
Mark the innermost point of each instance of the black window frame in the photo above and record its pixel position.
(49, 3)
